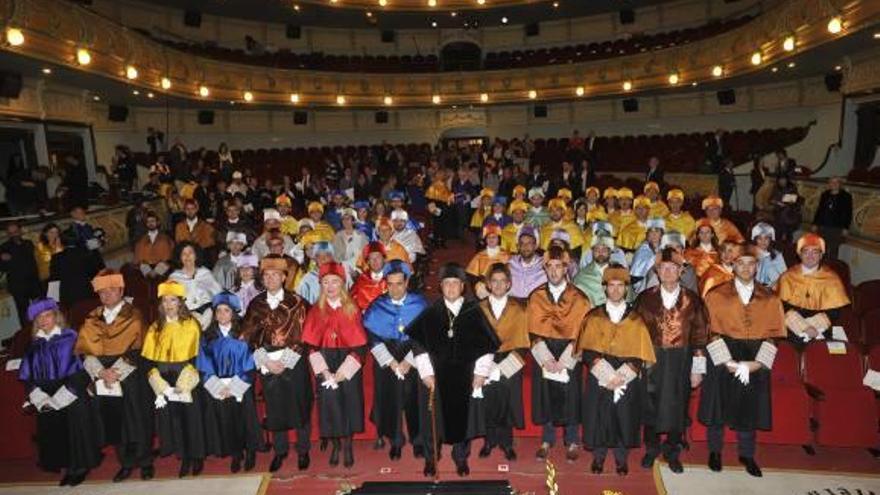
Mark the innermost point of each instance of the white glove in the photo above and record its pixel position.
(618, 393)
(160, 401)
(400, 376)
(477, 393)
(742, 373)
(330, 384)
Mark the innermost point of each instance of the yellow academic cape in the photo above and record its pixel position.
(290, 226)
(725, 230)
(482, 261)
(620, 219)
(596, 213)
(658, 209)
(821, 290)
(479, 215)
(176, 342)
(509, 237)
(324, 231)
(632, 236)
(439, 192)
(683, 223)
(577, 236)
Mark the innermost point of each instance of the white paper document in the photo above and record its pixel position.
(273, 356)
(13, 364)
(872, 380)
(560, 376)
(104, 390)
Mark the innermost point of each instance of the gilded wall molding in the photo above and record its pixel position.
(114, 47)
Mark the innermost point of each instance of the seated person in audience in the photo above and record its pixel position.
(324, 230)
(86, 234)
(652, 192)
(722, 271)
(226, 268)
(333, 213)
(558, 222)
(537, 215)
(623, 215)
(362, 223)
(510, 233)
(48, 245)
(565, 195)
(601, 228)
(371, 282)
(482, 209)
(643, 258)
(595, 210)
(198, 282)
(195, 230)
(247, 284)
(397, 201)
(476, 268)
(309, 286)
(633, 234)
(688, 276)
(811, 293)
(68, 431)
(394, 250)
(407, 238)
(589, 278)
(272, 223)
(289, 224)
(348, 243)
(233, 220)
(154, 250)
(518, 193)
(703, 248)
(677, 219)
(275, 243)
(609, 199)
(771, 263)
(724, 229)
(499, 216)
(526, 267)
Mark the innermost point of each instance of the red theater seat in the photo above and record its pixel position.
(839, 397)
(790, 402)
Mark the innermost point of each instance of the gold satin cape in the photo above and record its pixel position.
(819, 291)
(628, 339)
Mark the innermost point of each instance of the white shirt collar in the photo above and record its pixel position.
(152, 235)
(745, 291)
(670, 298)
(225, 329)
(708, 248)
(376, 276)
(192, 223)
(46, 336)
(455, 306)
(497, 305)
(557, 290)
(808, 271)
(110, 314)
(274, 299)
(398, 302)
(492, 252)
(615, 311)
(335, 304)
(246, 283)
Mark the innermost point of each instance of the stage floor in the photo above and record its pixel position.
(527, 475)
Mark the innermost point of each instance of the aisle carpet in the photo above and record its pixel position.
(251, 484)
(735, 481)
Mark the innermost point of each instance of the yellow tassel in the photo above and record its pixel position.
(552, 487)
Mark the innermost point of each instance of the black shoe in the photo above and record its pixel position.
(276, 463)
(418, 451)
(675, 466)
(303, 461)
(148, 472)
(65, 480)
(430, 468)
(77, 479)
(509, 453)
(461, 467)
(715, 461)
(235, 465)
(184, 468)
(347, 454)
(622, 469)
(394, 453)
(323, 445)
(250, 460)
(198, 467)
(486, 451)
(334, 454)
(597, 466)
(648, 461)
(543, 451)
(751, 466)
(122, 474)
(380, 444)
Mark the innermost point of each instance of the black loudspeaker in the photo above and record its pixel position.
(627, 16)
(10, 84)
(206, 117)
(726, 97)
(192, 18)
(499, 487)
(381, 117)
(540, 111)
(387, 36)
(117, 113)
(294, 32)
(833, 80)
(300, 118)
(533, 29)
(630, 105)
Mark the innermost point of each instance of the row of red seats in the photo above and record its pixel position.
(285, 59)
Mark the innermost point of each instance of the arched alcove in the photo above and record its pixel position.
(461, 55)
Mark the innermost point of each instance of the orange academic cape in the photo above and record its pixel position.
(482, 261)
(716, 275)
(153, 253)
(126, 333)
(560, 320)
(202, 234)
(628, 339)
(761, 319)
(821, 290)
(512, 328)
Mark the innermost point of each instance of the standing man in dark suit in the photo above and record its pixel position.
(591, 148)
(715, 150)
(726, 181)
(655, 173)
(74, 268)
(833, 216)
(18, 262)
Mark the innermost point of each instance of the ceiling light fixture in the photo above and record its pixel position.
(388, 101)
(835, 25)
(432, 3)
(580, 91)
(135, 92)
(150, 95)
(96, 98)
(14, 36)
(533, 94)
(673, 78)
(433, 24)
(717, 71)
(877, 35)
(340, 99)
(627, 85)
(204, 92)
(774, 69)
(131, 72)
(484, 97)
(838, 68)
(248, 96)
(504, 20)
(791, 65)
(296, 7)
(757, 58)
(555, 5)
(47, 70)
(83, 57)
(788, 43)
(435, 99)
(383, 3)
(165, 83)
(481, 2)
(294, 97)
(453, 13)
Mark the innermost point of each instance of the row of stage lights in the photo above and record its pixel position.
(15, 37)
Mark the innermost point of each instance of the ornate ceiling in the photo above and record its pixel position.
(57, 32)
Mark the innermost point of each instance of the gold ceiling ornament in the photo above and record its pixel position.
(422, 5)
(111, 48)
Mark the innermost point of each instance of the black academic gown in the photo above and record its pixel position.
(453, 358)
